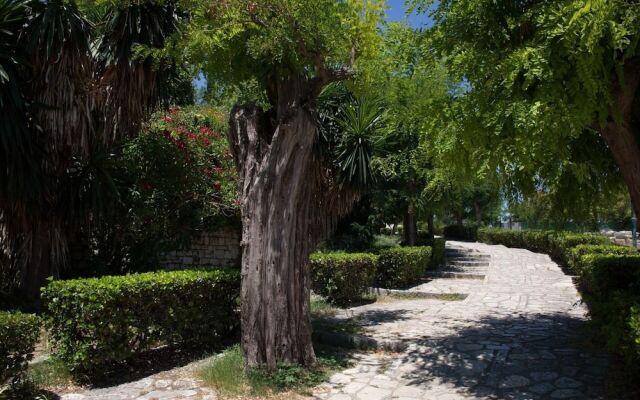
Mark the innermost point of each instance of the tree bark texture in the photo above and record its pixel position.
(622, 134)
(410, 225)
(280, 227)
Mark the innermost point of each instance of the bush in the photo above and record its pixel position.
(401, 266)
(563, 243)
(534, 240)
(602, 274)
(575, 255)
(98, 323)
(557, 244)
(461, 232)
(342, 277)
(19, 334)
(176, 179)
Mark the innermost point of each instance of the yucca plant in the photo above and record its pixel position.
(66, 104)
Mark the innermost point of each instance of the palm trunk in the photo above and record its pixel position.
(621, 135)
(274, 161)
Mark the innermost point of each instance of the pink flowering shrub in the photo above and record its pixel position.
(176, 179)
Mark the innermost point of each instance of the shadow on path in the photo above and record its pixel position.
(534, 356)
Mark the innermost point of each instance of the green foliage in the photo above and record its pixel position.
(536, 80)
(461, 232)
(229, 376)
(534, 240)
(602, 274)
(576, 254)
(342, 277)
(611, 287)
(236, 41)
(19, 334)
(402, 266)
(176, 179)
(557, 244)
(438, 252)
(97, 323)
(563, 243)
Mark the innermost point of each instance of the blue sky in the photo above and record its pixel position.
(397, 12)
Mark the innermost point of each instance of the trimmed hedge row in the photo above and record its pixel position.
(557, 244)
(575, 263)
(19, 334)
(342, 277)
(400, 266)
(610, 286)
(609, 277)
(97, 323)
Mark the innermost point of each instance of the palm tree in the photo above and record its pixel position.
(68, 105)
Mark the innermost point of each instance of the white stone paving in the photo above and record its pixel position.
(516, 336)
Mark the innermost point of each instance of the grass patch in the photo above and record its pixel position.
(322, 308)
(227, 374)
(49, 373)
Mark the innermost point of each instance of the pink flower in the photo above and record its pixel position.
(205, 130)
(192, 135)
(218, 170)
(167, 119)
(217, 186)
(206, 141)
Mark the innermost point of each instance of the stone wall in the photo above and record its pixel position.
(215, 249)
(623, 237)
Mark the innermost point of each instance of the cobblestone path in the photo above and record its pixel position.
(517, 335)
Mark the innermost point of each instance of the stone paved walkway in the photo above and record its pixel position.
(179, 383)
(516, 336)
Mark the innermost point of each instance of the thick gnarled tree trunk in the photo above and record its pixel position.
(274, 161)
(622, 134)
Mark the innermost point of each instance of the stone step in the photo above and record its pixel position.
(470, 256)
(469, 263)
(454, 275)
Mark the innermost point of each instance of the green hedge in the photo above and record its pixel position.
(96, 323)
(19, 334)
(575, 254)
(534, 240)
(563, 243)
(611, 288)
(342, 277)
(461, 232)
(401, 266)
(557, 244)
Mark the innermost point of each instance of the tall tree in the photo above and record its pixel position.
(69, 103)
(292, 49)
(540, 74)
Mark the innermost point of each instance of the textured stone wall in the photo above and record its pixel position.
(215, 249)
(623, 237)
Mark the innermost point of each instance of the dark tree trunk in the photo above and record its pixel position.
(478, 211)
(410, 226)
(39, 249)
(621, 135)
(274, 161)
